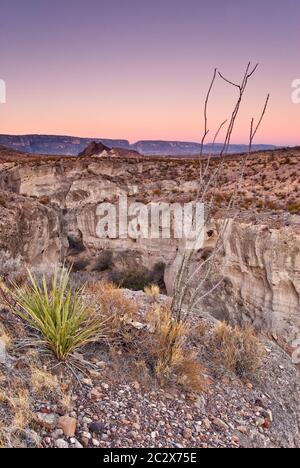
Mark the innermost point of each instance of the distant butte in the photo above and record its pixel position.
(93, 149)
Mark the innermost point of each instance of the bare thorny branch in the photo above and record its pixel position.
(184, 298)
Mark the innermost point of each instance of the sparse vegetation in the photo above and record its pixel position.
(166, 352)
(115, 310)
(153, 290)
(237, 349)
(135, 278)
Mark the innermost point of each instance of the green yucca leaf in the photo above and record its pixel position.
(59, 313)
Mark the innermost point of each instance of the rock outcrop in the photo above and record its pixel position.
(93, 149)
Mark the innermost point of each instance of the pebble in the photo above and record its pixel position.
(61, 443)
(95, 443)
(48, 421)
(68, 425)
(96, 427)
(220, 424)
(187, 433)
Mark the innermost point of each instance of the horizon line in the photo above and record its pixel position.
(144, 140)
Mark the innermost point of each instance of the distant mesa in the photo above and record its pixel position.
(72, 146)
(94, 149)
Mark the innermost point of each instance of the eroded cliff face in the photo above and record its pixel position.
(53, 214)
(261, 267)
(31, 230)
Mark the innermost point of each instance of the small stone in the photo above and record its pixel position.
(61, 443)
(153, 435)
(267, 424)
(260, 422)
(269, 415)
(105, 386)
(95, 443)
(86, 420)
(187, 433)
(57, 434)
(206, 423)
(48, 421)
(220, 424)
(138, 325)
(95, 374)
(87, 382)
(136, 426)
(32, 438)
(97, 427)
(77, 444)
(242, 429)
(68, 425)
(85, 441)
(95, 395)
(101, 364)
(137, 386)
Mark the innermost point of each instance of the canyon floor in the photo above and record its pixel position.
(48, 216)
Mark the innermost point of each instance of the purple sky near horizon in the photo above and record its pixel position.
(140, 69)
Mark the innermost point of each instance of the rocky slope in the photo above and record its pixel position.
(116, 404)
(49, 212)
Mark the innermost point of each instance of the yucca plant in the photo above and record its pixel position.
(59, 313)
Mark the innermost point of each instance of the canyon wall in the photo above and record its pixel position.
(49, 211)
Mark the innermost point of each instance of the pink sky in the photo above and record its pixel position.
(140, 70)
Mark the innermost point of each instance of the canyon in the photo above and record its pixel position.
(48, 214)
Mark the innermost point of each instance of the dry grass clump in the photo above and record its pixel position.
(116, 310)
(237, 349)
(17, 403)
(294, 208)
(43, 382)
(5, 336)
(167, 352)
(152, 291)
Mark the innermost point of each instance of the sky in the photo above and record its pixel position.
(138, 69)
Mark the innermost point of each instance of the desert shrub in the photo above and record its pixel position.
(116, 310)
(132, 278)
(294, 208)
(138, 278)
(59, 313)
(152, 291)
(104, 261)
(237, 349)
(166, 351)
